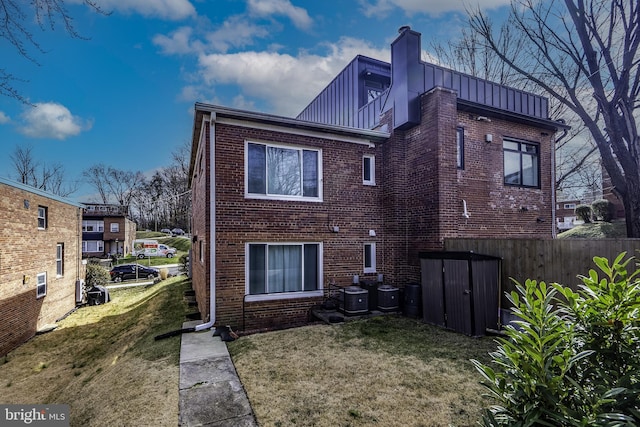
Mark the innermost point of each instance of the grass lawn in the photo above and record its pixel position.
(104, 362)
(385, 371)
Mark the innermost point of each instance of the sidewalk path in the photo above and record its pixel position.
(210, 391)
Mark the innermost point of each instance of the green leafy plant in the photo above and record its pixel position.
(602, 209)
(583, 212)
(572, 358)
(96, 275)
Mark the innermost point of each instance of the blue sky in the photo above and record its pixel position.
(124, 95)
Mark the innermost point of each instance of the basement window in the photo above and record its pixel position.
(41, 285)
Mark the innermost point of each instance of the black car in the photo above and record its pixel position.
(132, 271)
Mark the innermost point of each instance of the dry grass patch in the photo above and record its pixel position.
(386, 371)
(104, 362)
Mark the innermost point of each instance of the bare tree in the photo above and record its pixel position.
(40, 175)
(16, 16)
(96, 176)
(114, 185)
(584, 53)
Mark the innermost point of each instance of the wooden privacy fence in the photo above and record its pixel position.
(558, 260)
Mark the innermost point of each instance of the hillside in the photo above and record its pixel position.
(596, 230)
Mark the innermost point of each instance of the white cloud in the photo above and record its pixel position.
(428, 7)
(172, 10)
(267, 8)
(4, 118)
(51, 120)
(287, 83)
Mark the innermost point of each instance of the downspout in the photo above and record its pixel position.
(212, 226)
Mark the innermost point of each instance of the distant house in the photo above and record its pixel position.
(40, 261)
(107, 230)
(388, 161)
(566, 214)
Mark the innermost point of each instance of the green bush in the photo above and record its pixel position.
(602, 209)
(96, 275)
(573, 358)
(583, 212)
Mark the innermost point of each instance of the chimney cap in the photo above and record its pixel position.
(403, 29)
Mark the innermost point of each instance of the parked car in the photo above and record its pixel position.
(166, 231)
(177, 232)
(133, 271)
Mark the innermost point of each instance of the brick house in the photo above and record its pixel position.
(40, 261)
(386, 162)
(106, 229)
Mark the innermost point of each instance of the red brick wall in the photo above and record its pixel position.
(416, 204)
(26, 251)
(424, 189)
(347, 203)
(200, 224)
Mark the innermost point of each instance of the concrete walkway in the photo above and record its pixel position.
(210, 392)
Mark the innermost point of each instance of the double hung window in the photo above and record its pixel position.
(41, 285)
(42, 217)
(283, 172)
(283, 268)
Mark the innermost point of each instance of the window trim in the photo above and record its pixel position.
(59, 259)
(520, 153)
(569, 206)
(460, 147)
(39, 293)
(43, 217)
(99, 246)
(372, 169)
(283, 295)
(373, 267)
(111, 227)
(267, 196)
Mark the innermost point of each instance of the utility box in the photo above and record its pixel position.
(461, 291)
(354, 300)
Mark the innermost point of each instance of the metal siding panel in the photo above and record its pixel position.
(455, 84)
(432, 292)
(438, 77)
(429, 78)
(464, 87)
(497, 96)
(457, 295)
(447, 78)
(481, 89)
(517, 103)
(473, 89)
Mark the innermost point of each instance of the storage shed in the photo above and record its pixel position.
(461, 291)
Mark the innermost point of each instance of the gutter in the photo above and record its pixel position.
(212, 223)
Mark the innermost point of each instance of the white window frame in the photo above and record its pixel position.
(114, 227)
(460, 147)
(569, 205)
(371, 159)
(284, 295)
(99, 245)
(42, 216)
(369, 246)
(96, 224)
(268, 196)
(60, 259)
(41, 285)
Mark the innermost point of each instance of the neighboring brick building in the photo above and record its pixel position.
(283, 206)
(106, 230)
(40, 261)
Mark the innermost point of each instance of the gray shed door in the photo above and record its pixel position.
(432, 292)
(457, 295)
